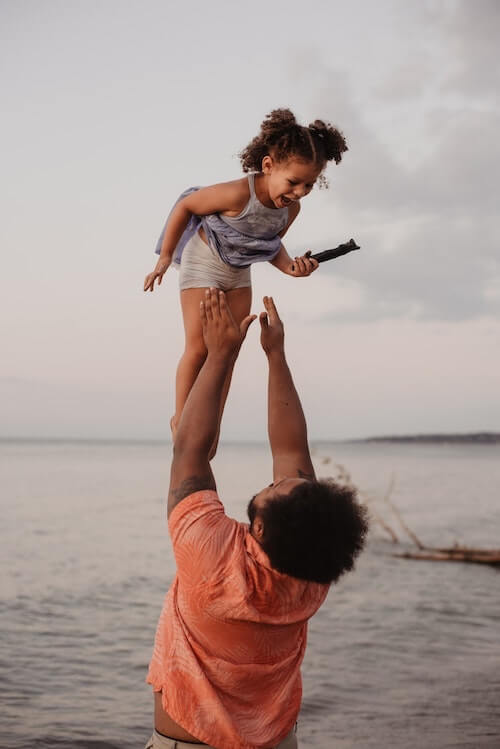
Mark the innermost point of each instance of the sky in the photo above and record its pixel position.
(111, 109)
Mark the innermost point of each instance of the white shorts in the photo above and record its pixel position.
(201, 267)
(159, 741)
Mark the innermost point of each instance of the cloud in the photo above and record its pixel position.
(453, 50)
(472, 31)
(427, 223)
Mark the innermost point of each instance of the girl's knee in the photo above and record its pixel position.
(196, 352)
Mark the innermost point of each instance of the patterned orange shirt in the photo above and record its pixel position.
(232, 633)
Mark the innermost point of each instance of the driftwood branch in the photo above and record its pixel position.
(479, 556)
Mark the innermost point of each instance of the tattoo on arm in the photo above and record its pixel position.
(189, 486)
(303, 475)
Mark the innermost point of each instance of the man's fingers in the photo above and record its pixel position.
(214, 301)
(245, 324)
(203, 315)
(224, 309)
(264, 320)
(208, 305)
(271, 309)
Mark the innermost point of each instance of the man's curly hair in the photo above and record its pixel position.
(315, 532)
(282, 137)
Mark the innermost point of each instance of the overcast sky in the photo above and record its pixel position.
(112, 108)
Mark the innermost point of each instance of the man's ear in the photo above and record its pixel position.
(258, 528)
(267, 164)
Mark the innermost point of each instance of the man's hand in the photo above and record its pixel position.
(161, 268)
(272, 332)
(220, 332)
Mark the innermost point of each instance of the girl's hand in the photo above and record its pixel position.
(303, 266)
(158, 273)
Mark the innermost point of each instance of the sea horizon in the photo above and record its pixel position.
(477, 436)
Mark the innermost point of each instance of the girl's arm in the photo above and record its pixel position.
(299, 266)
(227, 196)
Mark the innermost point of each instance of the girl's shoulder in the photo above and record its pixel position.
(224, 196)
(234, 195)
(239, 188)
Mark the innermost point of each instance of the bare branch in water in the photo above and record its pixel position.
(407, 530)
(455, 553)
(387, 528)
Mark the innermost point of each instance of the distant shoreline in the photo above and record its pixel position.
(479, 438)
(470, 438)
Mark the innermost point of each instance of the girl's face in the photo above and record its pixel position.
(289, 181)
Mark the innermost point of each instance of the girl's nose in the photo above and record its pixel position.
(300, 191)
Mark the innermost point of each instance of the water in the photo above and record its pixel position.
(403, 653)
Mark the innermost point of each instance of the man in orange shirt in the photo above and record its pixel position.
(232, 633)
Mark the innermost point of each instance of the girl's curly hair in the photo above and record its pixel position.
(282, 137)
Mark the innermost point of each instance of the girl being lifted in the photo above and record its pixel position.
(215, 233)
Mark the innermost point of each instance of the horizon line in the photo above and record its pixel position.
(484, 435)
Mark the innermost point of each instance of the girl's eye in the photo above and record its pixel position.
(292, 182)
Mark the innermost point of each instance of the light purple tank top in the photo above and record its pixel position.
(250, 237)
(256, 219)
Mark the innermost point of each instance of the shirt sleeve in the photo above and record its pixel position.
(203, 538)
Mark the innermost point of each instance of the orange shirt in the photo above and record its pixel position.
(232, 632)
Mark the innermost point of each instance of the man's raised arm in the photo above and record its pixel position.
(199, 422)
(286, 422)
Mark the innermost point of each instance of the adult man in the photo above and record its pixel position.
(232, 633)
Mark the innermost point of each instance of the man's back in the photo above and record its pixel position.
(232, 633)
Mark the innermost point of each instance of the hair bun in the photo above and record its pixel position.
(278, 121)
(332, 140)
(319, 128)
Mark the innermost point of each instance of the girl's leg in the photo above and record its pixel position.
(239, 302)
(194, 354)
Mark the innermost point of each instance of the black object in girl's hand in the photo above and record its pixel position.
(342, 249)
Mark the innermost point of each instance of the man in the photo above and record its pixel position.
(232, 633)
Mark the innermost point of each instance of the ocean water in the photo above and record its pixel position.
(403, 654)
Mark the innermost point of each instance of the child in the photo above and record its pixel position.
(217, 232)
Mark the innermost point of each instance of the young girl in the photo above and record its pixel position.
(215, 233)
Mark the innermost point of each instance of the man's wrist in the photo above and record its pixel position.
(221, 358)
(276, 355)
